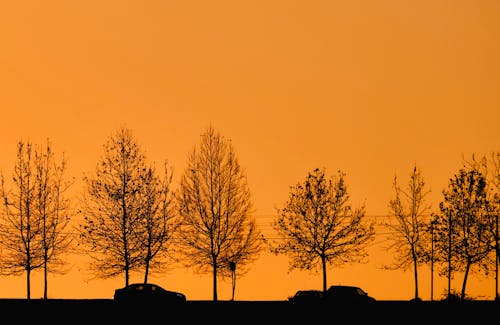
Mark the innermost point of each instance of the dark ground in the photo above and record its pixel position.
(104, 311)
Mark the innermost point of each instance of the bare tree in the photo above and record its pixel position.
(53, 209)
(160, 221)
(432, 258)
(20, 228)
(489, 165)
(464, 239)
(318, 227)
(215, 204)
(36, 214)
(408, 225)
(126, 208)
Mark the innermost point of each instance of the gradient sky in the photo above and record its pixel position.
(367, 87)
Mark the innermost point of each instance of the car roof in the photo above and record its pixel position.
(142, 284)
(314, 292)
(139, 284)
(344, 286)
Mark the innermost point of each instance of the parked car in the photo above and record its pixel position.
(307, 296)
(147, 292)
(347, 294)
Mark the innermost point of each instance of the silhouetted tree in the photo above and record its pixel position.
(464, 239)
(431, 256)
(53, 208)
(215, 204)
(36, 214)
(21, 251)
(318, 227)
(127, 210)
(160, 221)
(489, 165)
(408, 225)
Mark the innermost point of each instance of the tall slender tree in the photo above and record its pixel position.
(20, 228)
(160, 221)
(54, 211)
(218, 230)
(318, 227)
(432, 258)
(408, 225)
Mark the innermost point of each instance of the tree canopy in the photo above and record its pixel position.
(318, 227)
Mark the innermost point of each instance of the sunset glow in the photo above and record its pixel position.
(367, 87)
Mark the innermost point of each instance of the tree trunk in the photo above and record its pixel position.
(214, 279)
(449, 256)
(233, 286)
(415, 273)
(497, 260)
(45, 281)
(464, 283)
(432, 262)
(28, 283)
(146, 272)
(323, 262)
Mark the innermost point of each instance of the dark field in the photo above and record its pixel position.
(103, 311)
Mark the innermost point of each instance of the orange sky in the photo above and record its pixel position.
(368, 87)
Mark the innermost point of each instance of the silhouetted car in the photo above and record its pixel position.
(307, 296)
(347, 294)
(147, 293)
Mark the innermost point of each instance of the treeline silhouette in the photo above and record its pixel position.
(133, 220)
